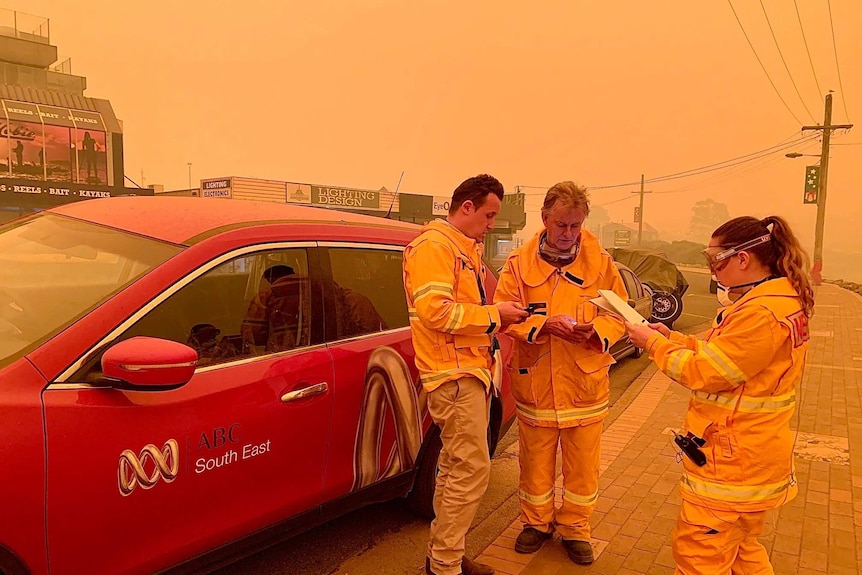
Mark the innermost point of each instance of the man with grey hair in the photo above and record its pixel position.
(559, 369)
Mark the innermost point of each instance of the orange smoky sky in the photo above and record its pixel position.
(353, 92)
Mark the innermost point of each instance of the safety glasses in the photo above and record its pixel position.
(717, 254)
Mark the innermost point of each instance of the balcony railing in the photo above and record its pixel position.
(25, 26)
(30, 77)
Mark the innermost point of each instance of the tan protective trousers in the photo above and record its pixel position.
(712, 542)
(460, 409)
(581, 448)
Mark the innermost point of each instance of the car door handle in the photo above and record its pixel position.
(309, 391)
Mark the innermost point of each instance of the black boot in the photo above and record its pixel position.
(581, 552)
(531, 540)
(470, 567)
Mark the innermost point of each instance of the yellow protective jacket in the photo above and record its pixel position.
(452, 329)
(556, 383)
(743, 381)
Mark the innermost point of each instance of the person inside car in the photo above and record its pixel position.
(204, 339)
(274, 316)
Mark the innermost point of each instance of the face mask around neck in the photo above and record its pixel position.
(726, 298)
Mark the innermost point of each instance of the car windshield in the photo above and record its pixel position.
(54, 269)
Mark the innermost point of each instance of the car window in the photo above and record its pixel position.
(637, 286)
(631, 283)
(249, 306)
(56, 269)
(368, 291)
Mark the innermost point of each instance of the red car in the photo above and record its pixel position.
(184, 380)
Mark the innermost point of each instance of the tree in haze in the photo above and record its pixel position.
(706, 215)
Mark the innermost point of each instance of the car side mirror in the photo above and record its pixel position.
(149, 364)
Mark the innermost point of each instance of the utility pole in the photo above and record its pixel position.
(640, 217)
(827, 127)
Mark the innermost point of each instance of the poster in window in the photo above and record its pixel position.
(22, 129)
(59, 154)
(26, 150)
(91, 148)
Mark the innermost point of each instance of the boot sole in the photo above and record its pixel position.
(581, 559)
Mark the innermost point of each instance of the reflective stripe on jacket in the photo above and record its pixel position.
(556, 383)
(452, 329)
(743, 380)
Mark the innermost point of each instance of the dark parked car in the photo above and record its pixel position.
(663, 280)
(641, 301)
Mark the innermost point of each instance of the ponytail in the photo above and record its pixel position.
(790, 261)
(782, 254)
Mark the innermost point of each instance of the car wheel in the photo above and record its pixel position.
(648, 289)
(666, 308)
(10, 564)
(420, 500)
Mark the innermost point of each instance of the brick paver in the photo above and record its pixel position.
(820, 531)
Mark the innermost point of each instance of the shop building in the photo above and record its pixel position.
(415, 208)
(58, 145)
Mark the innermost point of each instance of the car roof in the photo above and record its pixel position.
(180, 219)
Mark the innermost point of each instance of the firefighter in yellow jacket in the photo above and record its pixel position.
(453, 329)
(559, 369)
(736, 438)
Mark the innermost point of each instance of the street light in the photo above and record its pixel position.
(190, 175)
(798, 155)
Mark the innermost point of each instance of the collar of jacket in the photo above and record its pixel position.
(776, 287)
(587, 266)
(465, 245)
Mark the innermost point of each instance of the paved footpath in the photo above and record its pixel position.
(818, 532)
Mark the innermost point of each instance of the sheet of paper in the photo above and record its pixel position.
(613, 303)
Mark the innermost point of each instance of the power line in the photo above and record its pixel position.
(740, 170)
(781, 146)
(704, 171)
(628, 197)
(805, 41)
(783, 61)
(777, 93)
(837, 67)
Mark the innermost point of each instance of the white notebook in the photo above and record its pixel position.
(611, 302)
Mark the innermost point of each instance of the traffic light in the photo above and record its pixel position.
(637, 214)
(812, 184)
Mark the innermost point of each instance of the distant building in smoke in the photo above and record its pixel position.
(63, 146)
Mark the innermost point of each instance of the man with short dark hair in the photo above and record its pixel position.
(453, 328)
